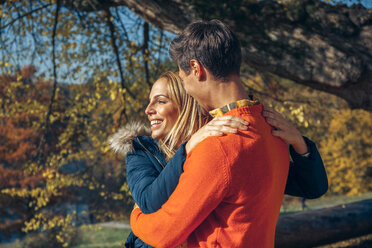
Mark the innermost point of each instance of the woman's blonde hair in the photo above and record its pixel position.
(190, 115)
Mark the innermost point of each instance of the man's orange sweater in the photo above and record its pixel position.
(229, 194)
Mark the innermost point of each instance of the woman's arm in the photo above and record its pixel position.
(307, 176)
(149, 188)
(217, 127)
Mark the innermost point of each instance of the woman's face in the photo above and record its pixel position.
(161, 111)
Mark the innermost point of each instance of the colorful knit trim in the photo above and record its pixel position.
(253, 100)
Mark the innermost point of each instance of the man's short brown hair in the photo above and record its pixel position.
(213, 44)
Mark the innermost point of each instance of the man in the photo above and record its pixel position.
(232, 186)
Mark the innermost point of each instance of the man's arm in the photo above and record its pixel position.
(201, 188)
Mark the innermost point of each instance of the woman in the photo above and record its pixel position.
(178, 124)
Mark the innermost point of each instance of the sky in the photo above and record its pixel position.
(20, 48)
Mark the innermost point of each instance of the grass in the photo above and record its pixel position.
(92, 236)
(96, 236)
(105, 237)
(294, 204)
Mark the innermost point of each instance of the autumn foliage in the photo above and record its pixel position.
(77, 168)
(347, 150)
(56, 170)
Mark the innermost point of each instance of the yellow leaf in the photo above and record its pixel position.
(113, 95)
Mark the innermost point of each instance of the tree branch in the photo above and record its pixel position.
(126, 39)
(324, 226)
(116, 51)
(50, 108)
(159, 53)
(24, 15)
(327, 47)
(145, 52)
(250, 89)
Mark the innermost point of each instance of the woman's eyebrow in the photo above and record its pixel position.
(159, 95)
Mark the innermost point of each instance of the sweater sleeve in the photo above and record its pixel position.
(149, 189)
(201, 188)
(307, 176)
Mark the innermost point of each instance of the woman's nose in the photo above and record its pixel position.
(149, 110)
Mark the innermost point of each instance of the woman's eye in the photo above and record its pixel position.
(162, 102)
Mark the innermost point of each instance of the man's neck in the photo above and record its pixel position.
(223, 93)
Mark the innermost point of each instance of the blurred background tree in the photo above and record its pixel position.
(72, 72)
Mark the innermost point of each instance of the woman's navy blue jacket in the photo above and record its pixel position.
(152, 180)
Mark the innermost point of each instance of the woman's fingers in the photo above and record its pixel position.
(225, 129)
(272, 114)
(275, 123)
(277, 133)
(275, 119)
(218, 126)
(215, 133)
(285, 130)
(229, 121)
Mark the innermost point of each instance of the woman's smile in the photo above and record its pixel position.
(161, 111)
(156, 123)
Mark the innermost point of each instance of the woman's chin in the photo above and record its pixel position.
(157, 135)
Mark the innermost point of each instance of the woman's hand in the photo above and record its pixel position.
(285, 130)
(217, 127)
(135, 206)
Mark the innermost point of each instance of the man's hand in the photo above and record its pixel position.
(217, 127)
(285, 130)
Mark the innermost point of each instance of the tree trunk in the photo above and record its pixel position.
(326, 47)
(324, 226)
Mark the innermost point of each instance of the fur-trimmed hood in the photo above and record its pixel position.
(122, 141)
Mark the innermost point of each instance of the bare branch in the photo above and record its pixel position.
(122, 25)
(145, 52)
(159, 53)
(116, 51)
(123, 116)
(126, 39)
(324, 46)
(50, 108)
(24, 15)
(250, 89)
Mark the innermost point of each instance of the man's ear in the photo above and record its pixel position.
(197, 69)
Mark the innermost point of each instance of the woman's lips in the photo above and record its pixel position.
(155, 123)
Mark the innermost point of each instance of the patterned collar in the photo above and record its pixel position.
(253, 100)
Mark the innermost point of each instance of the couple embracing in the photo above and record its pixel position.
(214, 171)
